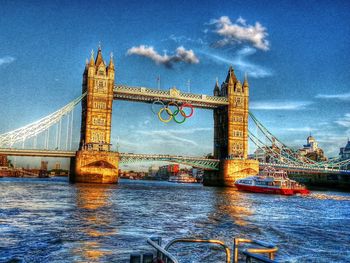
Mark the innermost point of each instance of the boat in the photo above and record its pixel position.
(271, 181)
(182, 178)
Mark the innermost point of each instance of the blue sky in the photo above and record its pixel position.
(296, 55)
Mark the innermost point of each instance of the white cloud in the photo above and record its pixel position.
(240, 32)
(181, 55)
(344, 96)
(240, 61)
(6, 60)
(184, 39)
(279, 105)
(299, 129)
(344, 121)
(251, 69)
(246, 51)
(187, 56)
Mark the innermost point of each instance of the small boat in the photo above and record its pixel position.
(271, 181)
(182, 178)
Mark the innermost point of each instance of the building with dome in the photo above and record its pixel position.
(312, 151)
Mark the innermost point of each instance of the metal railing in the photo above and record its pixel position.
(257, 257)
(162, 254)
(206, 241)
(255, 252)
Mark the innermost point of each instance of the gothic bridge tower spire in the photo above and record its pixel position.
(231, 133)
(94, 161)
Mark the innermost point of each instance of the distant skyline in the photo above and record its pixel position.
(295, 53)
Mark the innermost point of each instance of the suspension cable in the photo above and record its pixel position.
(71, 130)
(32, 129)
(67, 134)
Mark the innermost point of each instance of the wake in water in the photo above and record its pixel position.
(327, 197)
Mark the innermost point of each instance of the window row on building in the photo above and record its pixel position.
(98, 121)
(237, 133)
(98, 136)
(99, 105)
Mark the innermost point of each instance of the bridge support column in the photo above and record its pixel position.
(230, 171)
(95, 167)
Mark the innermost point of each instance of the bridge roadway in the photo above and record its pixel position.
(303, 169)
(148, 95)
(200, 162)
(36, 153)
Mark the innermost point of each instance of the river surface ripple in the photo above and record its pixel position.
(50, 220)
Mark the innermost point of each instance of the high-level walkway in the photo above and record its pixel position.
(143, 94)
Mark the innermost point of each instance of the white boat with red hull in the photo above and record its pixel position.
(271, 181)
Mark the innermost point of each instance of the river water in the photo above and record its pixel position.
(50, 220)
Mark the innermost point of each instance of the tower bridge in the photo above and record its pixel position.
(94, 160)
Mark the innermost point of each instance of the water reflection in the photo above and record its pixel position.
(49, 220)
(95, 212)
(234, 204)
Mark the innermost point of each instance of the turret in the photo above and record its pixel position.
(111, 63)
(110, 68)
(217, 88)
(92, 60)
(86, 67)
(246, 85)
(91, 66)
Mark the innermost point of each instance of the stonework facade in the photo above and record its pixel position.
(96, 167)
(98, 82)
(94, 162)
(231, 122)
(3, 160)
(231, 133)
(230, 171)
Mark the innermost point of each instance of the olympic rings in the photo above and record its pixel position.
(172, 115)
(157, 102)
(168, 111)
(186, 105)
(183, 115)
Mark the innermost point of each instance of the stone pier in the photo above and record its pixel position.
(95, 167)
(230, 171)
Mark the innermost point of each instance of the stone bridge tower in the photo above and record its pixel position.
(231, 133)
(94, 162)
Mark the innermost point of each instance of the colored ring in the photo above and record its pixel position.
(183, 113)
(175, 105)
(184, 118)
(167, 111)
(156, 102)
